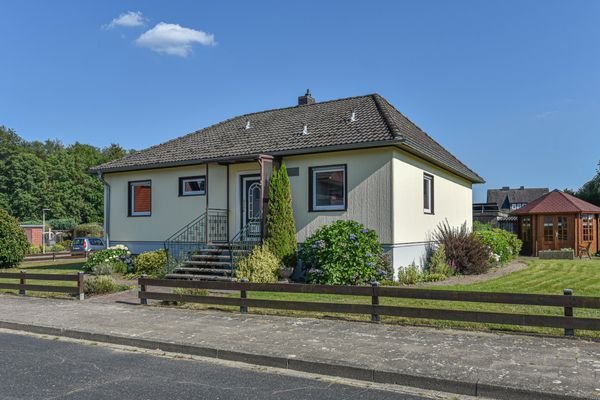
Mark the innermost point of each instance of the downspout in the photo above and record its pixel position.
(106, 209)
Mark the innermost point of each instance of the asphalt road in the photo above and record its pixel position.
(38, 368)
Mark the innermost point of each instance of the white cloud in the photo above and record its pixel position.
(174, 39)
(129, 19)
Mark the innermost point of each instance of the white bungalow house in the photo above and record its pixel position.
(355, 158)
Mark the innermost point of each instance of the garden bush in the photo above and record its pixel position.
(261, 266)
(504, 246)
(118, 257)
(100, 284)
(342, 253)
(57, 248)
(280, 228)
(88, 230)
(13, 241)
(465, 253)
(62, 224)
(437, 264)
(410, 275)
(66, 244)
(151, 263)
(34, 249)
(102, 269)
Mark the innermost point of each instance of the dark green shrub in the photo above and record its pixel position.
(100, 284)
(343, 253)
(504, 246)
(151, 263)
(261, 266)
(13, 241)
(62, 224)
(88, 230)
(280, 227)
(464, 252)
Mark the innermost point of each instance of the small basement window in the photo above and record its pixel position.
(427, 194)
(327, 188)
(192, 186)
(140, 198)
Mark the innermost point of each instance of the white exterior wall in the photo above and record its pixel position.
(369, 190)
(385, 193)
(413, 227)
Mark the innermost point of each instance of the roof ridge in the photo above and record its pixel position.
(387, 118)
(569, 197)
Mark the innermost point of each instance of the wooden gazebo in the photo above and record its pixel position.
(557, 221)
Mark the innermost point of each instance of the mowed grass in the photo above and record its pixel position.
(541, 276)
(61, 266)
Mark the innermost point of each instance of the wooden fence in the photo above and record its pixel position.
(566, 301)
(52, 256)
(25, 276)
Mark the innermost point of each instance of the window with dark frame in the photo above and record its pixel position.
(192, 186)
(427, 194)
(587, 221)
(327, 188)
(140, 198)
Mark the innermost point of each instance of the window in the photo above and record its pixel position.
(526, 229)
(140, 198)
(192, 186)
(588, 227)
(327, 188)
(96, 242)
(548, 229)
(516, 206)
(563, 231)
(427, 194)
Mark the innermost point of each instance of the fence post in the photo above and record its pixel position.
(569, 313)
(23, 281)
(143, 300)
(80, 286)
(243, 295)
(375, 301)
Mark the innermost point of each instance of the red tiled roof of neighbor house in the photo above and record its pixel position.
(557, 202)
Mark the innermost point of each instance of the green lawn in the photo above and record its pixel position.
(541, 276)
(62, 266)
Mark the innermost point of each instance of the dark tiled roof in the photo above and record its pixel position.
(557, 202)
(280, 132)
(517, 195)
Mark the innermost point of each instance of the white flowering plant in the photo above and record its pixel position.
(118, 257)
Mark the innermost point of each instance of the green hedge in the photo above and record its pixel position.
(13, 241)
(504, 246)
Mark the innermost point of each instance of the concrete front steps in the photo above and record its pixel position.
(211, 263)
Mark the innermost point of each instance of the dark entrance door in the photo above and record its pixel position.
(251, 210)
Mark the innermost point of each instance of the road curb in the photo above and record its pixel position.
(464, 387)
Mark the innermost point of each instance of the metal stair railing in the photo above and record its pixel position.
(246, 239)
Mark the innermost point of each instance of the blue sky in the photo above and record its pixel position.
(510, 87)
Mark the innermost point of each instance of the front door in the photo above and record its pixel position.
(251, 210)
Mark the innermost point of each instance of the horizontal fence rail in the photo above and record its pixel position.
(52, 256)
(25, 276)
(566, 301)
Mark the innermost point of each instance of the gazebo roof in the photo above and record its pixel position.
(557, 202)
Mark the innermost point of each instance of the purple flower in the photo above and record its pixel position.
(364, 231)
(352, 236)
(370, 264)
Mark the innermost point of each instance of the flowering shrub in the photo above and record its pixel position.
(343, 253)
(118, 257)
(504, 246)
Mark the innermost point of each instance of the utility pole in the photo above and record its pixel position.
(44, 230)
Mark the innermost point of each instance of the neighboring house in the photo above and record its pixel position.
(501, 202)
(355, 158)
(556, 221)
(33, 233)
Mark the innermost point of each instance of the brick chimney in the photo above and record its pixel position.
(306, 99)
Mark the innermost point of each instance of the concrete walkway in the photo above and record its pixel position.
(474, 363)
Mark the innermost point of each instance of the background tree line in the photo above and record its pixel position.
(590, 191)
(36, 175)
